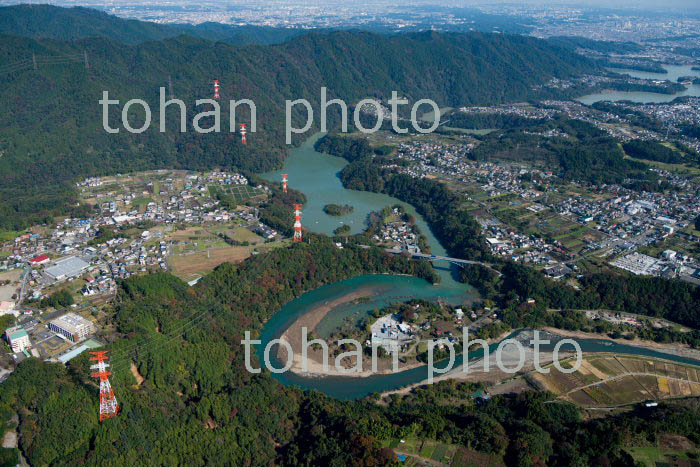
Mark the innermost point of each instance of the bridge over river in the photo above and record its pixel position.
(457, 261)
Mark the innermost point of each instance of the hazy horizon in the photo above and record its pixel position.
(631, 5)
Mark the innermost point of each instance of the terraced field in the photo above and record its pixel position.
(609, 381)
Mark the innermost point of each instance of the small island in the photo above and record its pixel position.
(342, 230)
(337, 209)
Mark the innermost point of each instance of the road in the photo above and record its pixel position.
(457, 261)
(25, 282)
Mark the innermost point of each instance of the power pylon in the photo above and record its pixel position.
(108, 403)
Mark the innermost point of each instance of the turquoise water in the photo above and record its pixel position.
(349, 388)
(315, 175)
(385, 289)
(674, 72)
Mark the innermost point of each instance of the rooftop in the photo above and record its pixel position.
(71, 321)
(67, 267)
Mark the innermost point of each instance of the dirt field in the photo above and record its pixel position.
(200, 262)
(241, 234)
(6, 291)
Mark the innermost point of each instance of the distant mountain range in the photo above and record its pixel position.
(51, 127)
(52, 22)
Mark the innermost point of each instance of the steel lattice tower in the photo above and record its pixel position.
(108, 403)
(284, 182)
(297, 222)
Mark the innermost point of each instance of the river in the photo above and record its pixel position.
(674, 72)
(315, 174)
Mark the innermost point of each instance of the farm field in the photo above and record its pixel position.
(196, 262)
(610, 381)
(193, 239)
(420, 452)
(514, 212)
(236, 194)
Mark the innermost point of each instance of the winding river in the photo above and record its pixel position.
(316, 175)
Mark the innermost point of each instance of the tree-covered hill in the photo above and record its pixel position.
(52, 22)
(51, 128)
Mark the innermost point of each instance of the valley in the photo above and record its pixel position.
(557, 197)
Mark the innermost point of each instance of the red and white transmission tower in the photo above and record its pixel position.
(284, 182)
(243, 133)
(297, 222)
(108, 403)
(216, 89)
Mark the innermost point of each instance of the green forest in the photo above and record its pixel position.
(656, 151)
(51, 131)
(580, 152)
(178, 367)
(455, 228)
(338, 210)
(674, 300)
(197, 405)
(52, 22)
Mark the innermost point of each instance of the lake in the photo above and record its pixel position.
(674, 72)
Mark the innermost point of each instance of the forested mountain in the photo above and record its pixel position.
(605, 47)
(51, 130)
(52, 22)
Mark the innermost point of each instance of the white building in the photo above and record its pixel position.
(72, 326)
(669, 255)
(18, 338)
(66, 268)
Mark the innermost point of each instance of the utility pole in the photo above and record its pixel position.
(34, 61)
(87, 65)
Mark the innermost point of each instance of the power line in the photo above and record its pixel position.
(38, 60)
(24, 62)
(124, 361)
(123, 353)
(129, 348)
(16, 68)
